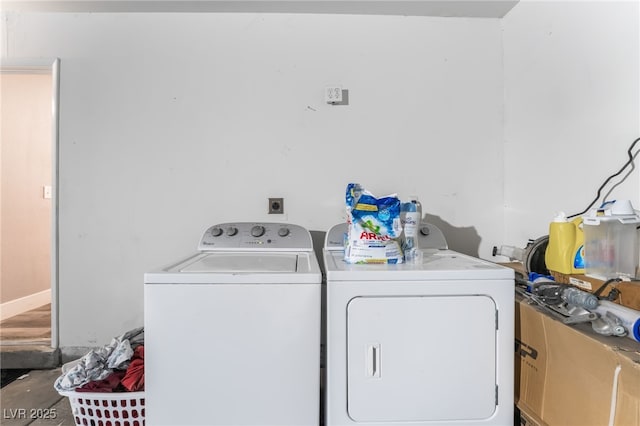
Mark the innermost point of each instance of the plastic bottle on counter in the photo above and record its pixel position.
(411, 217)
(564, 253)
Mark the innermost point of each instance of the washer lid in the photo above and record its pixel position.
(244, 263)
(241, 268)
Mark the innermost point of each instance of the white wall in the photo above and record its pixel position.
(572, 108)
(173, 122)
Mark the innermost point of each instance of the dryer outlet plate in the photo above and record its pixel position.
(276, 205)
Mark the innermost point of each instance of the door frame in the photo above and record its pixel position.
(47, 66)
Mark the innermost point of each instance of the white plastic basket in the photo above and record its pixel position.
(106, 408)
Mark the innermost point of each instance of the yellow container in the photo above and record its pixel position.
(565, 251)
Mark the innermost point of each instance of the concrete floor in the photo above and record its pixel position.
(32, 400)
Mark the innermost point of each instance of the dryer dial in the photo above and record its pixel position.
(231, 231)
(216, 232)
(283, 232)
(257, 231)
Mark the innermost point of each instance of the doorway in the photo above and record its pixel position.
(29, 92)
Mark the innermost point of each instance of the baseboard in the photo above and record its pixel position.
(31, 357)
(24, 304)
(72, 353)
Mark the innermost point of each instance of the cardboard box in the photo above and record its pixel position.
(526, 418)
(572, 376)
(629, 290)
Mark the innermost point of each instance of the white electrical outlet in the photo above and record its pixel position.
(333, 94)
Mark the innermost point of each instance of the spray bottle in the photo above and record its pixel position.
(411, 217)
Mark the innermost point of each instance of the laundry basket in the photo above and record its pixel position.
(106, 408)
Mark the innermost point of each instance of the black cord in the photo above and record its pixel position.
(609, 179)
(604, 285)
(613, 295)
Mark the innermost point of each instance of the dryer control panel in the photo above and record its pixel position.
(429, 237)
(256, 236)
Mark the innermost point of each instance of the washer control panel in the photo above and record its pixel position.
(258, 236)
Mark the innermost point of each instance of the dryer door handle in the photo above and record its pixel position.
(372, 360)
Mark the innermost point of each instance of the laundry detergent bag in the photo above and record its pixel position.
(374, 227)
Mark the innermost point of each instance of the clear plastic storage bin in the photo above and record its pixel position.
(611, 241)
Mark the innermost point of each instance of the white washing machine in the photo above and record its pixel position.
(418, 344)
(232, 334)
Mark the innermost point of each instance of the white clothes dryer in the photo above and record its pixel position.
(232, 333)
(418, 344)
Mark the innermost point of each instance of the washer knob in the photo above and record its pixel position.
(231, 231)
(257, 231)
(424, 230)
(216, 231)
(283, 232)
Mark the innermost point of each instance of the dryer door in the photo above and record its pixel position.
(421, 358)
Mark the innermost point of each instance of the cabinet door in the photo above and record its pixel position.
(421, 358)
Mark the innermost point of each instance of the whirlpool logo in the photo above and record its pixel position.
(525, 350)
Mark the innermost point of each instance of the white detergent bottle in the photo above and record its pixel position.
(412, 215)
